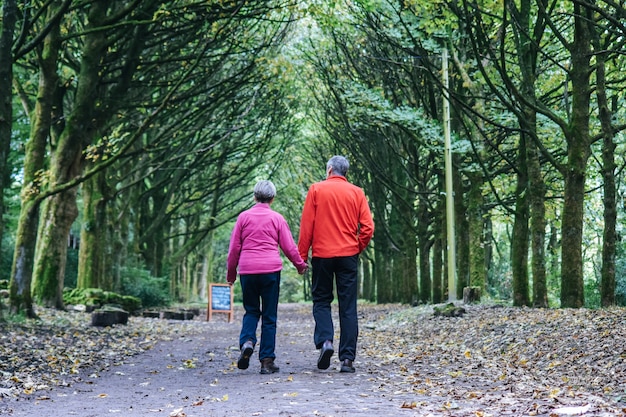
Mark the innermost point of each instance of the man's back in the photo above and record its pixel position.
(336, 220)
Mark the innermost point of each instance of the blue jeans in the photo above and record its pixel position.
(260, 301)
(344, 271)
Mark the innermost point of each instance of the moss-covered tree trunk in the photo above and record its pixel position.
(424, 237)
(437, 262)
(58, 214)
(520, 236)
(439, 237)
(93, 251)
(382, 275)
(462, 233)
(578, 151)
(537, 223)
(528, 26)
(477, 272)
(152, 244)
(410, 270)
(609, 241)
(66, 164)
(382, 269)
(35, 155)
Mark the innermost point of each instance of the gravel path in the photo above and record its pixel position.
(494, 361)
(196, 375)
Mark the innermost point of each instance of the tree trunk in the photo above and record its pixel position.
(519, 240)
(437, 262)
(94, 236)
(528, 26)
(382, 274)
(477, 272)
(66, 164)
(9, 19)
(41, 121)
(609, 241)
(462, 234)
(578, 151)
(439, 233)
(537, 227)
(425, 243)
(49, 273)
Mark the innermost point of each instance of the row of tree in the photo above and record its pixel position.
(155, 116)
(536, 90)
(149, 121)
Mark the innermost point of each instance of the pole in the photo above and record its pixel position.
(451, 242)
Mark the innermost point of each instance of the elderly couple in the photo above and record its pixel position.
(337, 224)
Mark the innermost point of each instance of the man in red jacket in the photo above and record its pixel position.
(337, 224)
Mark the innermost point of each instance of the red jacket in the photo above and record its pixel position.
(336, 220)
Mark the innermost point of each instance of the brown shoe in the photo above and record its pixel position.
(346, 366)
(244, 358)
(268, 366)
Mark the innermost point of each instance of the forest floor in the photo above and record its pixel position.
(492, 361)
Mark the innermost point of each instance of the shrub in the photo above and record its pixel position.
(152, 291)
(95, 298)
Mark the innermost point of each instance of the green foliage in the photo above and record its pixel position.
(291, 288)
(592, 293)
(96, 298)
(152, 291)
(71, 268)
(6, 257)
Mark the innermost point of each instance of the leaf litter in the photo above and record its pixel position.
(498, 360)
(61, 348)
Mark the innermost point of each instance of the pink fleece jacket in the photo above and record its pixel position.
(255, 241)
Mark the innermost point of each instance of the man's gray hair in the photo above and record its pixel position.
(264, 191)
(339, 164)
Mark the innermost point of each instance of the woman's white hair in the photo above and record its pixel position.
(264, 191)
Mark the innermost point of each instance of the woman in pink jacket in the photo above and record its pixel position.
(254, 252)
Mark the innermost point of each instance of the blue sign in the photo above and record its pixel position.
(220, 297)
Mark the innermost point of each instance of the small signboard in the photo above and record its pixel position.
(220, 301)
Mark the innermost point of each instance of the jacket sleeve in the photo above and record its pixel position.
(366, 224)
(305, 239)
(289, 247)
(234, 252)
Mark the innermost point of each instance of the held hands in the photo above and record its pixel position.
(302, 269)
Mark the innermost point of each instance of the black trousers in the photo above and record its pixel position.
(341, 271)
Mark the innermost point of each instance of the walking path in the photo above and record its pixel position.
(493, 361)
(196, 375)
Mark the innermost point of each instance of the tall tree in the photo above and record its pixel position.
(42, 127)
(9, 20)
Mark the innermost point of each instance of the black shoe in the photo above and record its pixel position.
(268, 366)
(346, 366)
(244, 358)
(323, 362)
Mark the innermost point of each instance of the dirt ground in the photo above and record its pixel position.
(505, 362)
(196, 375)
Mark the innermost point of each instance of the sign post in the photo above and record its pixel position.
(220, 301)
